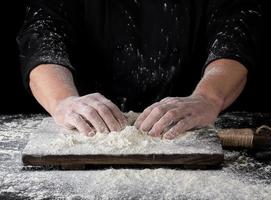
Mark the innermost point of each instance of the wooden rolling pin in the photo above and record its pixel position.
(259, 138)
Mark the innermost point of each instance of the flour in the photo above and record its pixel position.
(157, 184)
(242, 177)
(51, 139)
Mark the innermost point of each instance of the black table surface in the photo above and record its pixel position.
(242, 175)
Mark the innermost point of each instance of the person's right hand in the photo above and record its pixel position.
(89, 114)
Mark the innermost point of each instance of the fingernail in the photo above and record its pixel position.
(136, 125)
(144, 132)
(153, 134)
(168, 136)
(123, 126)
(103, 130)
(91, 133)
(143, 129)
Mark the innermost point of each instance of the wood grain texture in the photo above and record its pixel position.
(203, 160)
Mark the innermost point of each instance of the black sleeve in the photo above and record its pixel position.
(46, 36)
(234, 31)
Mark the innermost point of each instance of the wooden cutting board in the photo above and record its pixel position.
(51, 145)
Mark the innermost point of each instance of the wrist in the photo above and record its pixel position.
(54, 104)
(215, 100)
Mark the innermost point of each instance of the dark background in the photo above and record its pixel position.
(15, 99)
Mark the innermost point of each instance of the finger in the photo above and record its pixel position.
(80, 124)
(156, 114)
(66, 123)
(116, 112)
(67, 126)
(145, 114)
(97, 96)
(114, 109)
(107, 116)
(92, 116)
(174, 99)
(167, 99)
(169, 119)
(182, 126)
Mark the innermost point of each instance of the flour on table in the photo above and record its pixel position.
(51, 139)
(241, 177)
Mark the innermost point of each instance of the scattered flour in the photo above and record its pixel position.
(51, 139)
(241, 177)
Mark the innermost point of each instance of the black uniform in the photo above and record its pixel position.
(136, 52)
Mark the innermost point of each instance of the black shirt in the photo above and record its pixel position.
(136, 52)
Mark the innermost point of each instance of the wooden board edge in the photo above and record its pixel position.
(150, 159)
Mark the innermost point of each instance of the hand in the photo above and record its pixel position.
(89, 114)
(175, 115)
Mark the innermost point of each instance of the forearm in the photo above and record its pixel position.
(50, 84)
(223, 82)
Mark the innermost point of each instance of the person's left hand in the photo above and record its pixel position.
(175, 115)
